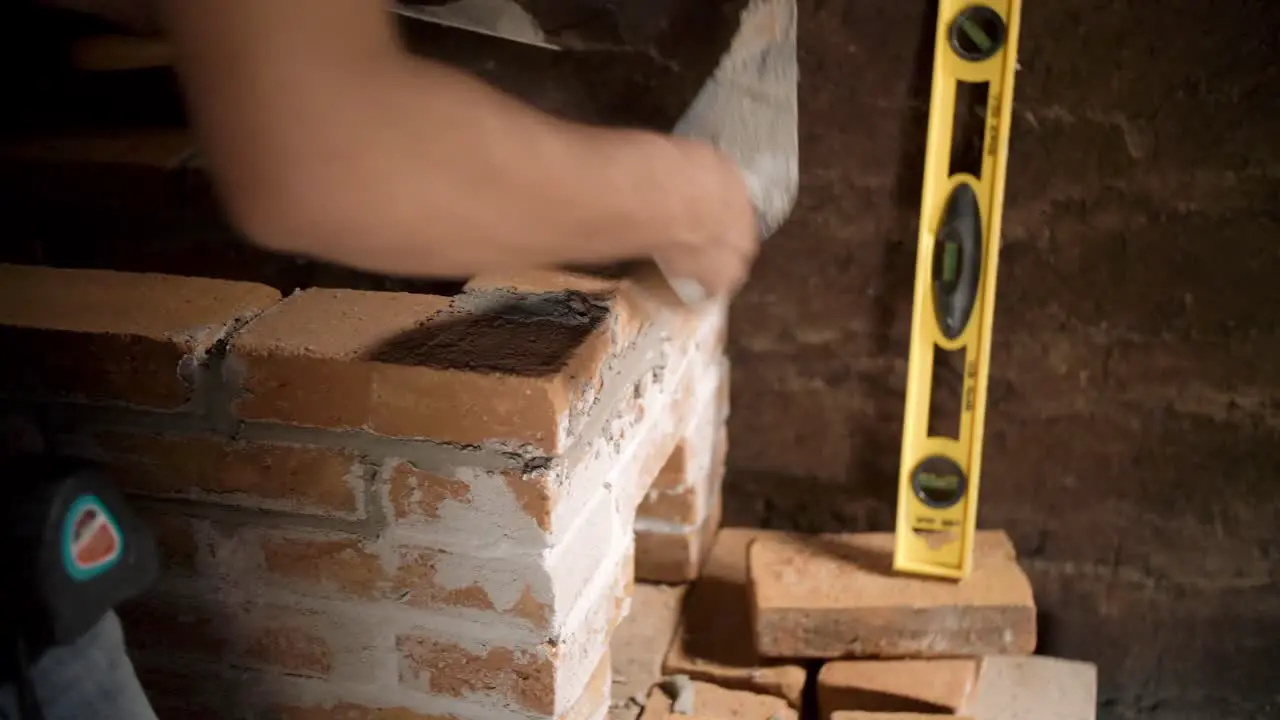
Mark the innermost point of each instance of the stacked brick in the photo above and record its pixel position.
(771, 609)
(381, 504)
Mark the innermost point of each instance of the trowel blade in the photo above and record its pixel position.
(498, 18)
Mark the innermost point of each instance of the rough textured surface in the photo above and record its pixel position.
(420, 366)
(895, 686)
(1013, 688)
(101, 336)
(639, 644)
(704, 700)
(714, 643)
(830, 596)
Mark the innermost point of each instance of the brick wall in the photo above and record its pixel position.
(1134, 426)
(378, 504)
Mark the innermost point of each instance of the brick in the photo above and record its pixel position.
(344, 566)
(588, 706)
(895, 686)
(594, 698)
(296, 478)
(526, 676)
(1010, 688)
(417, 366)
(712, 701)
(298, 641)
(121, 338)
(415, 494)
(691, 477)
(622, 450)
(671, 555)
(639, 644)
(711, 644)
(831, 596)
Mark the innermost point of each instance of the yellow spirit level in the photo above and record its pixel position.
(955, 289)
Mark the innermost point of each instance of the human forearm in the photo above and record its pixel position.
(325, 139)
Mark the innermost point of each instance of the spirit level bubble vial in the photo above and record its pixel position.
(962, 204)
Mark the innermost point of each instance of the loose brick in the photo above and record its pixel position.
(297, 478)
(417, 366)
(124, 338)
(712, 701)
(1011, 688)
(895, 686)
(711, 644)
(831, 596)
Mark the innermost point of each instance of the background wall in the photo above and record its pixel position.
(1134, 421)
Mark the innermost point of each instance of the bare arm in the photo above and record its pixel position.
(326, 139)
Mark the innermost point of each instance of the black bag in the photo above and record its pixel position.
(72, 551)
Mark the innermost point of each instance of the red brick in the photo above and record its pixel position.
(712, 701)
(897, 686)
(628, 318)
(349, 567)
(101, 336)
(711, 644)
(310, 480)
(831, 596)
(1010, 688)
(415, 494)
(413, 366)
(673, 557)
(525, 677)
(675, 496)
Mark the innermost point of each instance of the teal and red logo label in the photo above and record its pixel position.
(91, 539)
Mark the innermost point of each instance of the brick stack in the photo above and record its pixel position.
(381, 504)
(772, 609)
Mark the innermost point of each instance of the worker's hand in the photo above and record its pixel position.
(712, 253)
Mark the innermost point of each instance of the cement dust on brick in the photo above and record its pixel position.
(528, 336)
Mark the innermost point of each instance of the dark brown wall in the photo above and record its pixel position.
(1134, 423)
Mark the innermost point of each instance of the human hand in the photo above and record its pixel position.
(711, 253)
